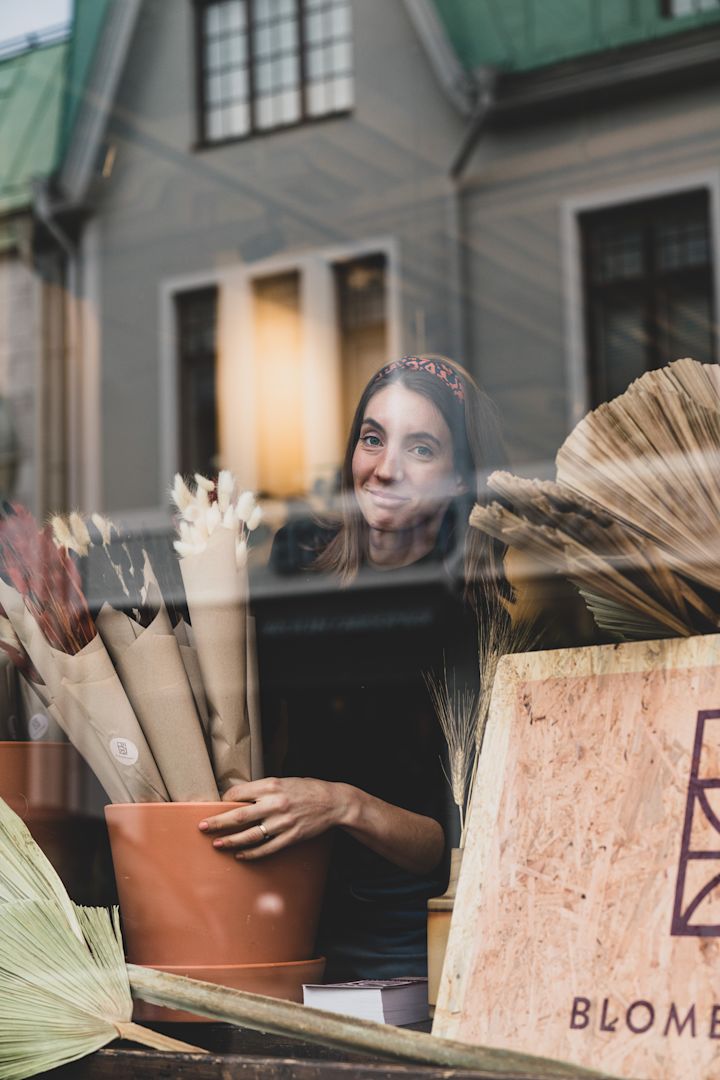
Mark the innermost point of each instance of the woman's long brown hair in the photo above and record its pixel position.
(477, 449)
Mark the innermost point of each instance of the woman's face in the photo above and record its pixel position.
(403, 469)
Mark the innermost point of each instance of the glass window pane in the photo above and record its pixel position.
(340, 20)
(341, 57)
(342, 93)
(315, 63)
(237, 84)
(316, 99)
(263, 10)
(236, 15)
(618, 254)
(290, 107)
(287, 72)
(683, 244)
(196, 322)
(239, 119)
(237, 49)
(263, 41)
(287, 36)
(212, 55)
(214, 124)
(621, 340)
(263, 78)
(314, 31)
(213, 90)
(264, 111)
(212, 19)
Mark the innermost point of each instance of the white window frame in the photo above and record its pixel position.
(320, 354)
(576, 358)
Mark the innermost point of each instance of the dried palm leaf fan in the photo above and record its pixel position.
(63, 983)
(634, 516)
(65, 989)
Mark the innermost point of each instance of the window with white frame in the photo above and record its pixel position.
(284, 341)
(649, 287)
(268, 64)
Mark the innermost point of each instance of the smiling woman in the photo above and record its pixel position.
(362, 746)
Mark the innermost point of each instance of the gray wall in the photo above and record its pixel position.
(168, 210)
(513, 198)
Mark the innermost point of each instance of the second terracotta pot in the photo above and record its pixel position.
(183, 902)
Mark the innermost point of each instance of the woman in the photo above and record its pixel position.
(363, 754)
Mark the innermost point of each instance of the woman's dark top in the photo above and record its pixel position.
(344, 699)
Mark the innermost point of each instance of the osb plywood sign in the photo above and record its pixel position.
(587, 922)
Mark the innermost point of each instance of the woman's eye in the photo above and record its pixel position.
(371, 440)
(423, 451)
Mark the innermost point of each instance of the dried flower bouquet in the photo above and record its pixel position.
(157, 705)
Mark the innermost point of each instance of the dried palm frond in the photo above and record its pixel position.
(63, 996)
(634, 517)
(25, 872)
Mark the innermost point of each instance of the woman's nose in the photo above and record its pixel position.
(388, 467)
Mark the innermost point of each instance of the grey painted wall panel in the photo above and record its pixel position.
(514, 192)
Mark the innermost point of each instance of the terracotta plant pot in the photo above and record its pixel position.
(40, 778)
(273, 980)
(185, 903)
(45, 784)
(440, 910)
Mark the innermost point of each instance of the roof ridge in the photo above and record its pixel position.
(37, 39)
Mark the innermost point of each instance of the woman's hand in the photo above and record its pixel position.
(296, 808)
(288, 809)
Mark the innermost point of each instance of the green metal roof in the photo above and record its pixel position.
(31, 94)
(517, 35)
(88, 19)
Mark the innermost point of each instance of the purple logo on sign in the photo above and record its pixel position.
(698, 874)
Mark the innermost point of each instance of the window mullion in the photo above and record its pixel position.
(250, 24)
(302, 59)
(199, 10)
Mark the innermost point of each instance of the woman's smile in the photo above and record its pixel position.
(385, 498)
(403, 468)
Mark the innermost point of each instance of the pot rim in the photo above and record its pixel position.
(154, 806)
(273, 964)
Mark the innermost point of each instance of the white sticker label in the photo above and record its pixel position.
(124, 750)
(37, 726)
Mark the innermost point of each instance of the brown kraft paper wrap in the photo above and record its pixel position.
(188, 652)
(36, 720)
(152, 672)
(92, 708)
(253, 704)
(216, 594)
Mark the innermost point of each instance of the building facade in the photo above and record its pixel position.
(266, 199)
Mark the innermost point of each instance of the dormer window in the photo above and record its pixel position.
(269, 64)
